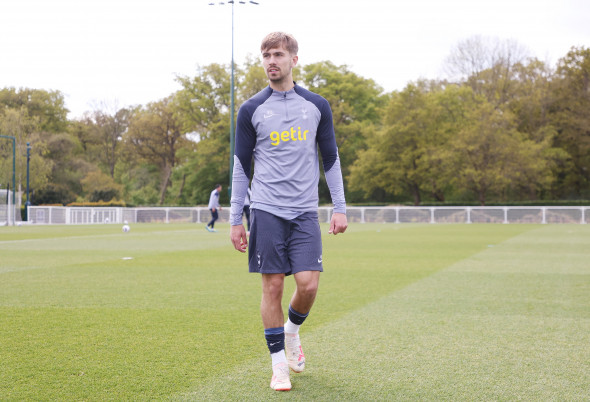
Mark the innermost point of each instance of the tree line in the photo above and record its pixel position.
(501, 127)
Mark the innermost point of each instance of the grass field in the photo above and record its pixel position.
(404, 312)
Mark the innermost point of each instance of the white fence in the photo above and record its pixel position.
(9, 212)
(90, 215)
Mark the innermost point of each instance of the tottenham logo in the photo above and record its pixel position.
(268, 114)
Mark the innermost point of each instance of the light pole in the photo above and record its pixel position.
(232, 92)
(28, 162)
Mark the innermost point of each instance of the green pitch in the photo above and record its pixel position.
(405, 312)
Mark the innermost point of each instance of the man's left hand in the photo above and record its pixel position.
(338, 223)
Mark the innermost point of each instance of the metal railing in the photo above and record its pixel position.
(395, 214)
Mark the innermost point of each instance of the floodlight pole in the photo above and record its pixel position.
(232, 95)
(13, 166)
(28, 162)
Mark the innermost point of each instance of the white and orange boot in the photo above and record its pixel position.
(280, 377)
(294, 352)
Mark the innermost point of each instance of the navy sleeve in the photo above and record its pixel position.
(326, 139)
(325, 136)
(245, 141)
(244, 148)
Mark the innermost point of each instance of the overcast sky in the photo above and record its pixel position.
(128, 52)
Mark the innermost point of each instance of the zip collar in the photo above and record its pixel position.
(284, 94)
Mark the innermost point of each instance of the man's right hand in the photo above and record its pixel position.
(238, 238)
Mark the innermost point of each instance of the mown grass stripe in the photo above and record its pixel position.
(473, 331)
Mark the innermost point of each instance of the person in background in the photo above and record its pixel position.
(214, 207)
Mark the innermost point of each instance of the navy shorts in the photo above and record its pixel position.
(281, 246)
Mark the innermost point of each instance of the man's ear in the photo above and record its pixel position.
(294, 61)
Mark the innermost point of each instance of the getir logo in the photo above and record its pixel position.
(291, 135)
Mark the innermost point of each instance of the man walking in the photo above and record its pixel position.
(281, 128)
(214, 207)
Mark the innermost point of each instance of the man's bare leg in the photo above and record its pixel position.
(306, 291)
(301, 303)
(272, 319)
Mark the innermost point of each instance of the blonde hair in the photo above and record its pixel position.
(276, 39)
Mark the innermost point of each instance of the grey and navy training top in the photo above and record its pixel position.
(214, 200)
(282, 132)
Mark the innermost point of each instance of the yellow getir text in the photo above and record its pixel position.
(292, 135)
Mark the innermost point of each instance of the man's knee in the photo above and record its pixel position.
(272, 285)
(307, 283)
(308, 290)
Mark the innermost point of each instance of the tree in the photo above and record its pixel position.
(16, 122)
(439, 139)
(396, 156)
(209, 165)
(47, 107)
(371, 173)
(155, 135)
(69, 166)
(105, 133)
(491, 156)
(570, 117)
(531, 98)
(487, 66)
(31, 115)
(203, 99)
(203, 105)
(100, 187)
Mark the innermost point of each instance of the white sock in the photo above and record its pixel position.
(278, 357)
(291, 328)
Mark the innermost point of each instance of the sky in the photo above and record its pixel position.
(108, 54)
